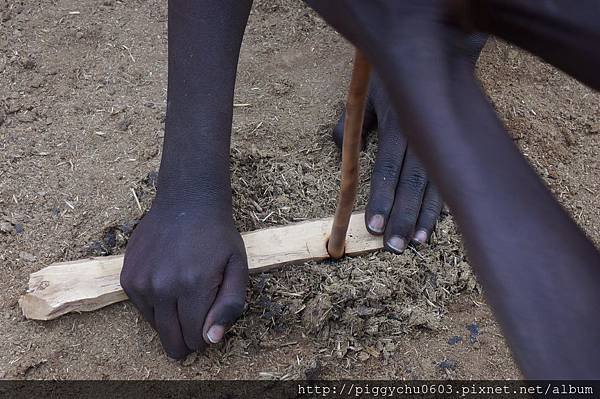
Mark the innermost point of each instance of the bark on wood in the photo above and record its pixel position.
(353, 123)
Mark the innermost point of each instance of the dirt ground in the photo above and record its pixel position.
(82, 106)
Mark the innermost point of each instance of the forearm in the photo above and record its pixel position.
(541, 274)
(565, 33)
(204, 43)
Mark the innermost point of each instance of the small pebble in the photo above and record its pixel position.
(447, 365)
(454, 340)
(473, 332)
(6, 227)
(27, 257)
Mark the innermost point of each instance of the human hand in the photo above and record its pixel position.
(404, 204)
(186, 271)
(523, 246)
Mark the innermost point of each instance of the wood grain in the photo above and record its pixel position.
(89, 284)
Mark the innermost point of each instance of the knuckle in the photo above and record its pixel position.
(187, 280)
(415, 181)
(231, 311)
(133, 284)
(160, 286)
(386, 170)
(380, 203)
(404, 219)
(432, 208)
(199, 281)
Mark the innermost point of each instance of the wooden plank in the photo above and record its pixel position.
(89, 284)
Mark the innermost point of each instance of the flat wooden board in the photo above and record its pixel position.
(89, 284)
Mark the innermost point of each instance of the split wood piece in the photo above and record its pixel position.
(353, 125)
(89, 284)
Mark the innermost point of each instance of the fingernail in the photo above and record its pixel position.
(377, 224)
(420, 236)
(397, 244)
(215, 334)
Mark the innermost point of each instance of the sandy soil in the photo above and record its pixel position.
(82, 106)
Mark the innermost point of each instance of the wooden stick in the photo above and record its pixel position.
(353, 122)
(89, 284)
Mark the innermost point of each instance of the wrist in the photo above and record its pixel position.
(173, 211)
(194, 177)
(196, 197)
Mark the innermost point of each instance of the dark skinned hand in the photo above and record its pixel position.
(404, 204)
(187, 274)
(538, 269)
(185, 267)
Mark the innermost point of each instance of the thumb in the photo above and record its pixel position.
(229, 303)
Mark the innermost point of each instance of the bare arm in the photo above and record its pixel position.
(185, 267)
(562, 32)
(540, 272)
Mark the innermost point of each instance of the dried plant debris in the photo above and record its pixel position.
(113, 241)
(10, 225)
(359, 304)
